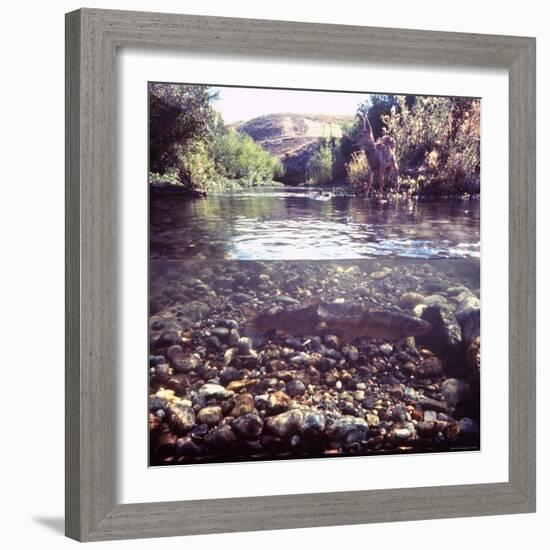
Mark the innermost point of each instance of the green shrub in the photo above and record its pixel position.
(319, 166)
(237, 156)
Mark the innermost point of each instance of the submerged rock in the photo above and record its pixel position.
(285, 424)
(220, 437)
(410, 299)
(445, 336)
(278, 402)
(248, 426)
(180, 418)
(210, 415)
(456, 391)
(349, 430)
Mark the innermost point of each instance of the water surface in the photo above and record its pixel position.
(301, 223)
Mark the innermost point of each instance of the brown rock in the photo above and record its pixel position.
(278, 402)
(244, 404)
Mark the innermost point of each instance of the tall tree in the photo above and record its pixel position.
(178, 114)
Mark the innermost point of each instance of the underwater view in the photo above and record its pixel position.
(314, 279)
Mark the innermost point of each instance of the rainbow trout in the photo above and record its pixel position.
(304, 320)
(348, 324)
(377, 323)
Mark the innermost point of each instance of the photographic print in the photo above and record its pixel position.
(314, 274)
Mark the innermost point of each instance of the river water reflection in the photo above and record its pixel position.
(301, 223)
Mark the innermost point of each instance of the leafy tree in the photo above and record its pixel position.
(178, 115)
(438, 142)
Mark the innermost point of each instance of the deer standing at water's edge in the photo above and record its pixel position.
(380, 156)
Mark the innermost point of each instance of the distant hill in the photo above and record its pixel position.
(293, 137)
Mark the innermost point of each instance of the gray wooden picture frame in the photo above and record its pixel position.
(92, 39)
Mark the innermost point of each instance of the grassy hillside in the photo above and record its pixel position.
(293, 138)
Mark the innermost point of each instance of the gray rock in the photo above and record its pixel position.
(286, 300)
(285, 424)
(350, 353)
(469, 426)
(430, 416)
(386, 349)
(445, 336)
(349, 430)
(430, 367)
(185, 446)
(248, 426)
(244, 346)
(467, 305)
(456, 391)
(314, 423)
(220, 332)
(294, 388)
(195, 310)
(220, 437)
(332, 341)
(209, 391)
(426, 403)
(402, 433)
(470, 325)
(185, 363)
(213, 342)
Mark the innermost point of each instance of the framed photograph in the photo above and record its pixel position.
(286, 243)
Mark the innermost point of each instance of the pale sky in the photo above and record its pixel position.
(236, 104)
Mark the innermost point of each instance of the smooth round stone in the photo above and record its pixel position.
(213, 342)
(402, 433)
(228, 374)
(174, 351)
(434, 299)
(210, 415)
(221, 437)
(350, 353)
(469, 426)
(430, 416)
(248, 426)
(209, 391)
(158, 324)
(456, 391)
(155, 360)
(372, 420)
(348, 430)
(285, 424)
(386, 349)
(314, 422)
(185, 446)
(410, 299)
(220, 332)
(294, 388)
(244, 345)
(332, 341)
